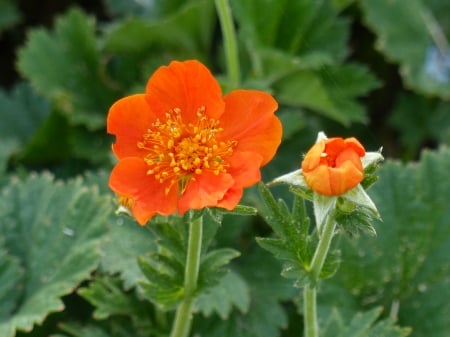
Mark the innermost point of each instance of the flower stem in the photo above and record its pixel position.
(310, 290)
(183, 317)
(230, 42)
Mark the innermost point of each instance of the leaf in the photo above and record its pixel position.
(185, 32)
(121, 247)
(231, 291)
(331, 91)
(265, 316)
(21, 112)
(405, 268)
(424, 61)
(361, 324)
(108, 298)
(64, 65)
(9, 15)
(420, 120)
(296, 27)
(53, 230)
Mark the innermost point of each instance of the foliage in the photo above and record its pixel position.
(69, 266)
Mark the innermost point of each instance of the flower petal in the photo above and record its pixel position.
(313, 156)
(205, 189)
(129, 179)
(231, 199)
(249, 119)
(186, 85)
(245, 168)
(128, 119)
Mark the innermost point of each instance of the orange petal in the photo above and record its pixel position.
(319, 180)
(344, 178)
(128, 119)
(313, 156)
(245, 168)
(129, 179)
(355, 145)
(249, 119)
(205, 189)
(231, 198)
(186, 85)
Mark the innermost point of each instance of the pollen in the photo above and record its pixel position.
(178, 150)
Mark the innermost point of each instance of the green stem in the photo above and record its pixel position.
(230, 44)
(310, 291)
(310, 311)
(183, 318)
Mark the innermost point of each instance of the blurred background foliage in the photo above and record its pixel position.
(377, 70)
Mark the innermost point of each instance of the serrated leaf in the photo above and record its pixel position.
(108, 298)
(361, 324)
(231, 291)
(65, 66)
(406, 268)
(424, 61)
(54, 230)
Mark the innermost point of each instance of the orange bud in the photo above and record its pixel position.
(333, 166)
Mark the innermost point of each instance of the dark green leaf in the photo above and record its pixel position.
(424, 60)
(405, 268)
(231, 291)
(65, 66)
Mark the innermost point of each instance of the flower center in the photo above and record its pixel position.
(177, 151)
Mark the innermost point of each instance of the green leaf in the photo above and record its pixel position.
(7, 147)
(9, 15)
(405, 268)
(296, 27)
(420, 120)
(361, 324)
(186, 32)
(121, 247)
(231, 291)
(65, 66)
(106, 294)
(21, 113)
(424, 61)
(11, 277)
(331, 91)
(53, 230)
(266, 316)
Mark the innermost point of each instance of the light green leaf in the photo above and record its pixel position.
(424, 60)
(231, 291)
(406, 267)
(65, 66)
(53, 229)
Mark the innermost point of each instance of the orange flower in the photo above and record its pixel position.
(333, 166)
(182, 146)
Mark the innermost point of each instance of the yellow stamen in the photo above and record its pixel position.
(177, 150)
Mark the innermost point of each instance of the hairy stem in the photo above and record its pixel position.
(183, 318)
